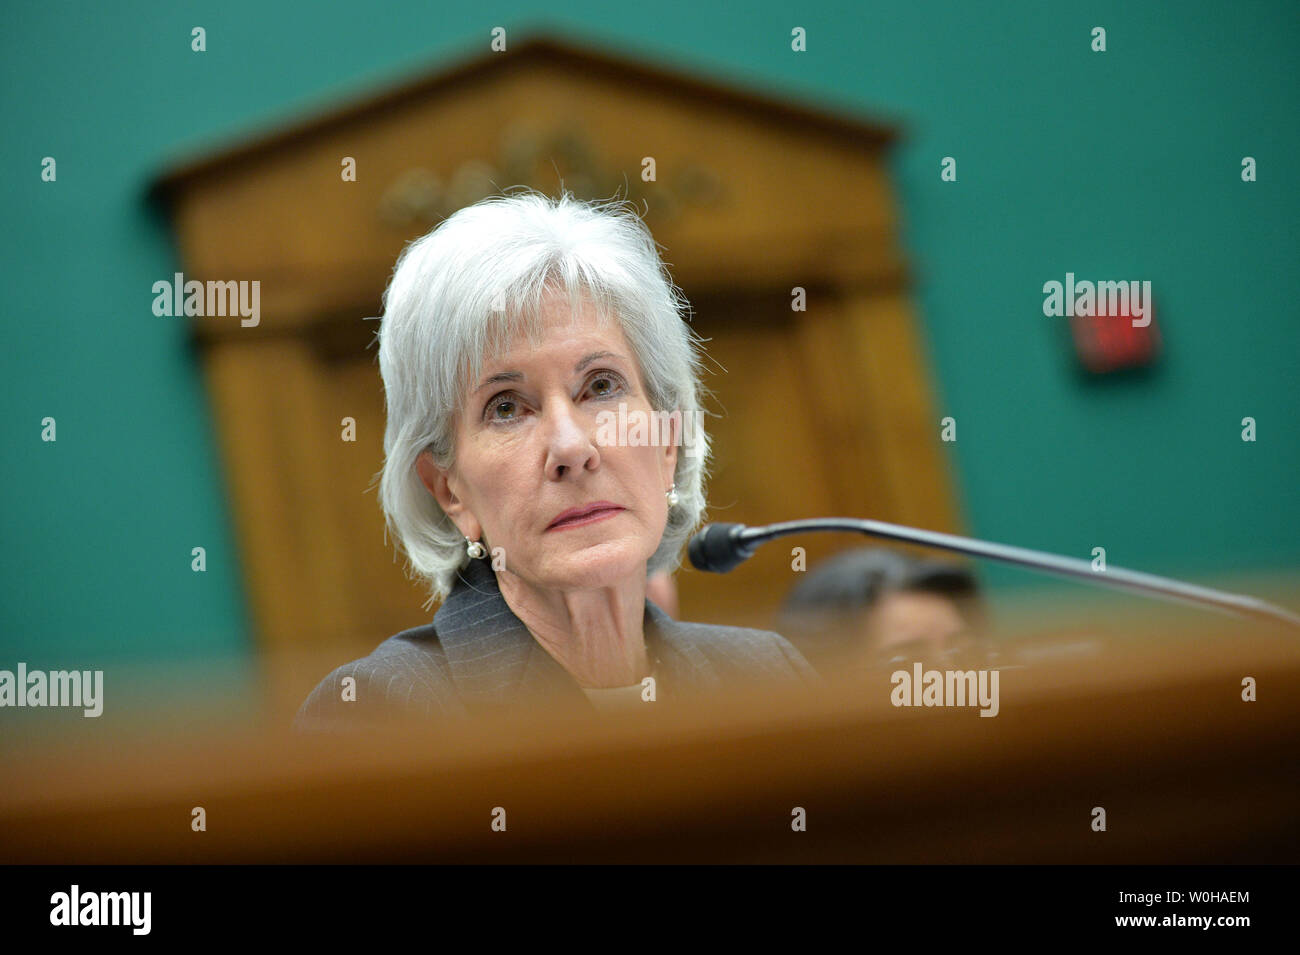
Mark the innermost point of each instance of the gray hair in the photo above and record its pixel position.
(458, 293)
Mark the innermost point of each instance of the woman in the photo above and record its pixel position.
(516, 336)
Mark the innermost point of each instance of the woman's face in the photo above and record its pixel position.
(528, 451)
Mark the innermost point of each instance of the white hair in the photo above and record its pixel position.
(457, 295)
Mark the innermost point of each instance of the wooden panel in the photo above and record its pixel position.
(883, 341)
(385, 600)
(824, 413)
(769, 462)
(279, 446)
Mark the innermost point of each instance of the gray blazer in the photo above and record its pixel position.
(478, 657)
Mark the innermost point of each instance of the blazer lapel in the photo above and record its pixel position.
(494, 660)
(679, 661)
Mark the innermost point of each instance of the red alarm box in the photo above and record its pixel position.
(1106, 343)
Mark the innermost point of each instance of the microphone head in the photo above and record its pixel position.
(718, 548)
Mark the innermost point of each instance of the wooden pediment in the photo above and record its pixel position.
(743, 182)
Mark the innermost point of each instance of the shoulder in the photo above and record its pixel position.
(741, 651)
(405, 675)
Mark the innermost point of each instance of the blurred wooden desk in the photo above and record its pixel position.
(1152, 729)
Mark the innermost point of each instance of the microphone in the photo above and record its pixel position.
(718, 548)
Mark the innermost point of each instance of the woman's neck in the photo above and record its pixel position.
(596, 635)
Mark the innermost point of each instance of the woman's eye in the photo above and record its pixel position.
(605, 385)
(503, 409)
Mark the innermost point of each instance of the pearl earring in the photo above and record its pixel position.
(671, 494)
(475, 549)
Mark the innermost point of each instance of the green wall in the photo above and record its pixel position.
(1115, 165)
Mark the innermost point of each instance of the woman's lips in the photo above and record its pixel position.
(589, 515)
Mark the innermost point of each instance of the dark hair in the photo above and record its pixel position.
(856, 579)
(851, 583)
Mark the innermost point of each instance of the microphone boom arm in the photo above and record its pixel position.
(740, 541)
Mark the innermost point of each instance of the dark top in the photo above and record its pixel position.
(477, 656)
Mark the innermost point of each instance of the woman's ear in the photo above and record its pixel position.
(668, 462)
(441, 484)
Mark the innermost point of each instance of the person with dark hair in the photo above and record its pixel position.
(875, 606)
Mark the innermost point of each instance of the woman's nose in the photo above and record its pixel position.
(570, 440)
